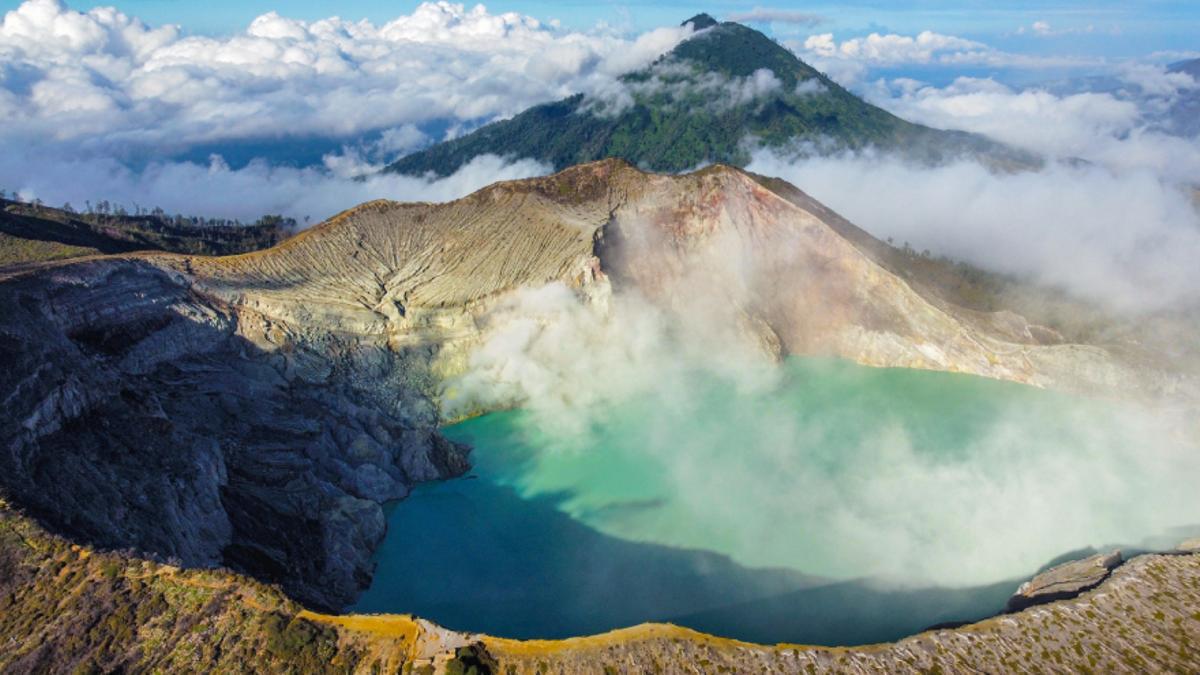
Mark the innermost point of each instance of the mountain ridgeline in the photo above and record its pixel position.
(33, 232)
(1183, 116)
(714, 98)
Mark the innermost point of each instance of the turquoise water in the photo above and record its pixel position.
(831, 504)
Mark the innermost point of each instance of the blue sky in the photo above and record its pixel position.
(1119, 29)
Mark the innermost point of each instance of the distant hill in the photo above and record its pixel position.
(1175, 110)
(1183, 117)
(35, 233)
(1191, 67)
(713, 98)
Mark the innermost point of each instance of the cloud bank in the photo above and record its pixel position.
(215, 190)
(776, 15)
(1111, 218)
(1128, 239)
(1111, 129)
(86, 95)
(677, 85)
(850, 60)
(104, 81)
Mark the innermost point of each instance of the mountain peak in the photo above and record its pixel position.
(734, 50)
(699, 104)
(701, 21)
(1191, 67)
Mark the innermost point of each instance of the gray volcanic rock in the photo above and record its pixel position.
(1065, 581)
(138, 415)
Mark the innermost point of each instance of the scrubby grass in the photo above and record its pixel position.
(16, 250)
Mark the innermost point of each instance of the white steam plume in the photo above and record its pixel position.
(1126, 238)
(737, 467)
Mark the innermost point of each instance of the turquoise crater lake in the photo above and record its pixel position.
(831, 504)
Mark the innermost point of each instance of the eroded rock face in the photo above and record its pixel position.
(722, 251)
(142, 415)
(255, 410)
(1065, 581)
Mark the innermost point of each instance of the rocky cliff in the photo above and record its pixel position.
(254, 411)
(720, 245)
(143, 413)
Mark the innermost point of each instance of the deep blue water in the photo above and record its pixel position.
(772, 515)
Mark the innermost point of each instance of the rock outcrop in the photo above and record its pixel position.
(254, 411)
(1065, 581)
(735, 251)
(139, 414)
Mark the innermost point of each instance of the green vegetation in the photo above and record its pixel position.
(471, 660)
(714, 98)
(16, 250)
(32, 232)
(66, 609)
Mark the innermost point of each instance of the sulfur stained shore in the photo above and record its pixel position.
(67, 608)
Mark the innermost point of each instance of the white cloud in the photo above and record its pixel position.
(1044, 29)
(1155, 80)
(215, 190)
(891, 48)
(773, 15)
(810, 86)
(1034, 119)
(1126, 238)
(849, 60)
(104, 80)
(83, 95)
(758, 84)
(674, 83)
(1099, 127)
